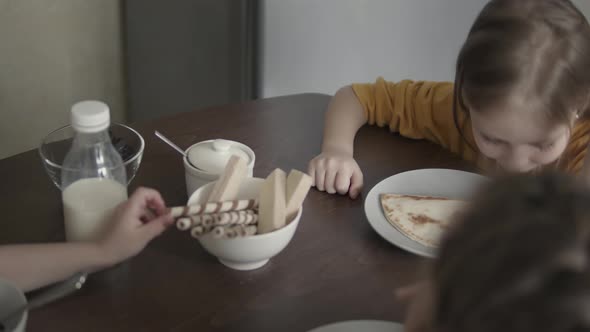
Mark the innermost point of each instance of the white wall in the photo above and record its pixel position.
(584, 6)
(52, 54)
(321, 45)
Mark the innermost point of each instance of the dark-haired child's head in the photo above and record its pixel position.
(519, 260)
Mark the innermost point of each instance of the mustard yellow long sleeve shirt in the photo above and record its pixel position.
(424, 110)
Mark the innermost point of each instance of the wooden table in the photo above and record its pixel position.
(336, 267)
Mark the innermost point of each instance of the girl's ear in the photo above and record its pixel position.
(574, 116)
(584, 109)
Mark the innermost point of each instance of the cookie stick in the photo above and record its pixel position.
(216, 207)
(199, 231)
(186, 223)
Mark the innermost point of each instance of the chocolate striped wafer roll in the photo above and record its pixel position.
(235, 217)
(243, 217)
(251, 218)
(226, 218)
(232, 232)
(207, 220)
(250, 230)
(199, 231)
(186, 223)
(219, 231)
(214, 207)
(240, 231)
(183, 224)
(247, 217)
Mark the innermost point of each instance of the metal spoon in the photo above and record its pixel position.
(174, 146)
(169, 142)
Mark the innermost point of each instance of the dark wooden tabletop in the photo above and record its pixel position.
(335, 268)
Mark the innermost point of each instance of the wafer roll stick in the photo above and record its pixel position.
(186, 223)
(240, 231)
(207, 220)
(248, 230)
(215, 207)
(235, 217)
(232, 232)
(227, 218)
(245, 217)
(199, 231)
(183, 224)
(251, 218)
(219, 232)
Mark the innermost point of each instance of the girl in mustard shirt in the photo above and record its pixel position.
(518, 104)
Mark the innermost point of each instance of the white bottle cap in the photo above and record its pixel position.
(90, 116)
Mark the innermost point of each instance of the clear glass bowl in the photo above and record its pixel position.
(126, 140)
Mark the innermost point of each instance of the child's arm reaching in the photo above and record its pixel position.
(335, 169)
(418, 110)
(135, 223)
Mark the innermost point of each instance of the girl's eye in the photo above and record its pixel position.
(492, 141)
(545, 147)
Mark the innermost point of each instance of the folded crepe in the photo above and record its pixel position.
(423, 219)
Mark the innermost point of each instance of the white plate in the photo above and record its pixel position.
(428, 182)
(361, 325)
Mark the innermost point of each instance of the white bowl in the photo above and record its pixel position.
(12, 298)
(361, 325)
(250, 252)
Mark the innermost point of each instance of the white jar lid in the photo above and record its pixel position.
(212, 156)
(90, 116)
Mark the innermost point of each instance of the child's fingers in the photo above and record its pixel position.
(420, 305)
(342, 182)
(156, 226)
(407, 293)
(320, 174)
(158, 208)
(147, 215)
(356, 183)
(311, 172)
(330, 180)
(157, 203)
(144, 197)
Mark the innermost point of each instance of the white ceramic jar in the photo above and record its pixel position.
(208, 160)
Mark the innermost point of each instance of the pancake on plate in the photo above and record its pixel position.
(423, 219)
